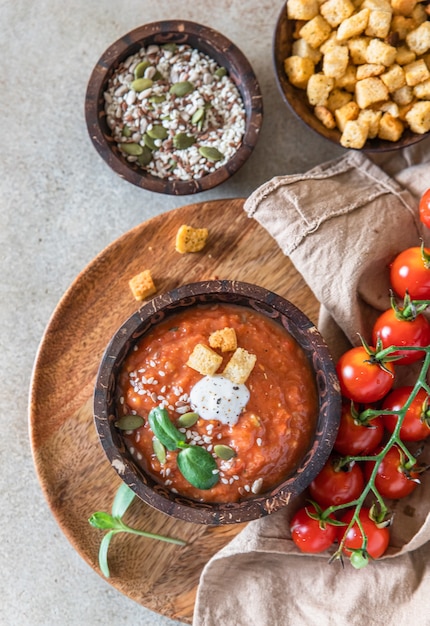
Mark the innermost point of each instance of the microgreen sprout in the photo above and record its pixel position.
(112, 522)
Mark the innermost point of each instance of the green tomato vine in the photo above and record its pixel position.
(379, 511)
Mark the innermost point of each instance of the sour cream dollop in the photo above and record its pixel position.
(218, 398)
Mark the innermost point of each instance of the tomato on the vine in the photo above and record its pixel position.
(337, 484)
(377, 538)
(394, 330)
(362, 377)
(416, 421)
(410, 273)
(309, 534)
(354, 436)
(424, 208)
(393, 480)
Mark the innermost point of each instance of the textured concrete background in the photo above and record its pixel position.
(59, 206)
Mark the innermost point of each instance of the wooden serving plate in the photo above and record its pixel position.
(74, 473)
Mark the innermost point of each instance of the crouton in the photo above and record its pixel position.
(301, 48)
(345, 114)
(394, 78)
(348, 80)
(380, 52)
(299, 70)
(369, 69)
(224, 339)
(371, 119)
(418, 40)
(316, 31)
(378, 24)
(404, 55)
(337, 99)
(357, 49)
(354, 25)
(370, 91)
(354, 134)
(318, 89)
(335, 11)
(403, 7)
(390, 128)
(240, 366)
(302, 9)
(190, 239)
(418, 117)
(422, 90)
(142, 285)
(204, 360)
(335, 61)
(403, 96)
(325, 116)
(416, 72)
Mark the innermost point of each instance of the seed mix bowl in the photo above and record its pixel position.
(256, 436)
(174, 107)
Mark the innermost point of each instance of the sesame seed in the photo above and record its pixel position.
(259, 441)
(224, 481)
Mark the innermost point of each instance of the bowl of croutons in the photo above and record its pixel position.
(357, 73)
(174, 107)
(217, 402)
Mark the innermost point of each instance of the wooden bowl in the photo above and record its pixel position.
(207, 41)
(297, 101)
(274, 307)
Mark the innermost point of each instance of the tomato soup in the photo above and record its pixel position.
(274, 428)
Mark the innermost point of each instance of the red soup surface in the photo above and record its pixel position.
(274, 429)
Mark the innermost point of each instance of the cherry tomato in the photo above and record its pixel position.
(410, 271)
(308, 534)
(424, 208)
(354, 438)
(416, 422)
(391, 480)
(335, 485)
(377, 538)
(402, 332)
(361, 378)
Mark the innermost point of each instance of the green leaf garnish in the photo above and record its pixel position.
(198, 466)
(164, 430)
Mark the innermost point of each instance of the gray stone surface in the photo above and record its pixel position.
(59, 206)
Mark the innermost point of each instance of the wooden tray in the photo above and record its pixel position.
(74, 473)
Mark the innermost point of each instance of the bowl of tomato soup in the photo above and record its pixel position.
(217, 402)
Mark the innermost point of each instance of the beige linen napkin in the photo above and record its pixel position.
(340, 224)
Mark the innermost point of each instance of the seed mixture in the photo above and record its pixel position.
(175, 112)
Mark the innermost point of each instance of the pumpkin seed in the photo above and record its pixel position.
(157, 99)
(140, 68)
(130, 422)
(181, 141)
(149, 142)
(132, 149)
(224, 452)
(220, 72)
(210, 153)
(182, 88)
(140, 84)
(157, 132)
(146, 157)
(126, 131)
(188, 419)
(171, 46)
(198, 116)
(159, 450)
